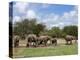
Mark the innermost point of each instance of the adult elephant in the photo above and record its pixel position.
(42, 40)
(31, 40)
(69, 39)
(16, 41)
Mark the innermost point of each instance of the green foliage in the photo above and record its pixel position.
(26, 27)
(55, 32)
(38, 28)
(71, 30)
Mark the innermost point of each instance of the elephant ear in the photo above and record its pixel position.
(16, 37)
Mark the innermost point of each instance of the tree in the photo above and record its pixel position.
(26, 27)
(55, 32)
(71, 30)
(39, 28)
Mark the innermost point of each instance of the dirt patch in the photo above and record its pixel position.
(60, 41)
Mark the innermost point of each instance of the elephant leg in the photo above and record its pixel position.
(71, 42)
(14, 44)
(17, 44)
(27, 45)
(34, 44)
(66, 42)
(75, 41)
(45, 43)
(31, 44)
(38, 43)
(41, 42)
(55, 43)
(50, 42)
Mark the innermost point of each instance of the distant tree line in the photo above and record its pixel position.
(26, 26)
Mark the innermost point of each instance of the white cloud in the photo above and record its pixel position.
(54, 25)
(50, 18)
(70, 16)
(67, 18)
(31, 14)
(65, 15)
(21, 7)
(16, 19)
(61, 23)
(73, 13)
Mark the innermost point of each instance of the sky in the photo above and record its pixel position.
(52, 15)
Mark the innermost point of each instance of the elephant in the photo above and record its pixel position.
(69, 38)
(42, 40)
(76, 38)
(31, 40)
(16, 41)
(54, 41)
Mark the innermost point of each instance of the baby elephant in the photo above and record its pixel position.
(54, 41)
(16, 41)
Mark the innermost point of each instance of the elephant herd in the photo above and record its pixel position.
(44, 40)
(33, 40)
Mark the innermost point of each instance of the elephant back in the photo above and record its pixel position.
(16, 40)
(69, 37)
(31, 37)
(44, 38)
